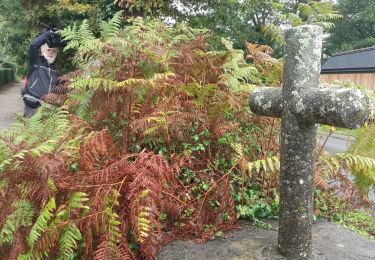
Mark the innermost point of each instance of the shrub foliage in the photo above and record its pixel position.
(140, 154)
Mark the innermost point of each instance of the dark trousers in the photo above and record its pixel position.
(28, 111)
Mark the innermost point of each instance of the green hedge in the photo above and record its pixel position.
(13, 66)
(6, 75)
(8, 71)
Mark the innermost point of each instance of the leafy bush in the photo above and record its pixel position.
(2, 76)
(6, 75)
(7, 72)
(338, 209)
(13, 67)
(142, 152)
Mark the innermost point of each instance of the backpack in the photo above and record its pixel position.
(29, 100)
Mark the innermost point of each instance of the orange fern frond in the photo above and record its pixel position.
(97, 152)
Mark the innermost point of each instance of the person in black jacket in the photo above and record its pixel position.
(42, 74)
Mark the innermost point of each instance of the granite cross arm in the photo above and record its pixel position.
(346, 108)
(300, 104)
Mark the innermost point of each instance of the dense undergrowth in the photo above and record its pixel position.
(155, 142)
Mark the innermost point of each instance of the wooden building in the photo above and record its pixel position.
(357, 66)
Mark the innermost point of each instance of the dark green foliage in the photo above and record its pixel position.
(21, 216)
(359, 220)
(255, 206)
(2, 77)
(240, 21)
(12, 66)
(14, 31)
(6, 75)
(356, 29)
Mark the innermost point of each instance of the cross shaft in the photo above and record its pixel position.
(301, 104)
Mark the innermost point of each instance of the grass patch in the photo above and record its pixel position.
(359, 221)
(340, 131)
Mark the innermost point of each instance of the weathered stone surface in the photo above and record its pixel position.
(345, 108)
(298, 140)
(301, 104)
(266, 102)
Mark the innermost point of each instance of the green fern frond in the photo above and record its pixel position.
(332, 163)
(83, 40)
(21, 216)
(143, 225)
(83, 84)
(43, 148)
(28, 256)
(166, 75)
(78, 36)
(364, 144)
(71, 36)
(84, 32)
(227, 44)
(111, 28)
(114, 232)
(325, 25)
(113, 222)
(294, 19)
(4, 150)
(20, 155)
(83, 98)
(41, 132)
(41, 223)
(68, 242)
(357, 160)
(361, 168)
(70, 148)
(3, 184)
(78, 200)
(305, 10)
(319, 13)
(269, 164)
(143, 222)
(236, 72)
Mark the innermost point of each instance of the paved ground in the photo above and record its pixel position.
(335, 143)
(10, 103)
(330, 242)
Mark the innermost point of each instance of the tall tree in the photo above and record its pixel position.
(14, 30)
(357, 27)
(239, 20)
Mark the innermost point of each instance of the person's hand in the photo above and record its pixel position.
(55, 40)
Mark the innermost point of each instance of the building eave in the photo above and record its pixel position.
(348, 70)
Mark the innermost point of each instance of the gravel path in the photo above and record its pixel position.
(10, 103)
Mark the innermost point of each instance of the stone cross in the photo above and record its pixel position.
(300, 104)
